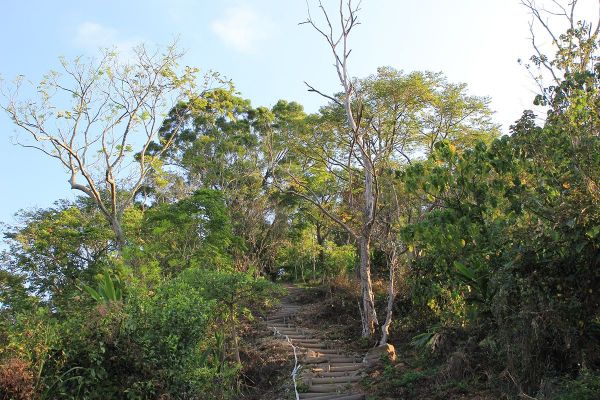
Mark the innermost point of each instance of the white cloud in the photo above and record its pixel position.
(242, 29)
(90, 36)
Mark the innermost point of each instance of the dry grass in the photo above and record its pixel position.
(16, 380)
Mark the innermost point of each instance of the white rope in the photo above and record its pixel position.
(297, 366)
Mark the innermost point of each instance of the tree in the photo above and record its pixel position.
(57, 249)
(93, 115)
(389, 118)
(232, 147)
(574, 50)
(193, 232)
(513, 246)
(338, 44)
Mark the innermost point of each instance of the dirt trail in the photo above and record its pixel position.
(324, 371)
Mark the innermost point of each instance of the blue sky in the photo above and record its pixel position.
(260, 46)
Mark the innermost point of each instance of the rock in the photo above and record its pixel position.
(379, 353)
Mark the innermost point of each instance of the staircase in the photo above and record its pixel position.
(324, 372)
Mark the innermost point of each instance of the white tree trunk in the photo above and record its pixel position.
(341, 52)
(385, 328)
(368, 316)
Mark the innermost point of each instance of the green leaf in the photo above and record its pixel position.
(593, 232)
(422, 339)
(95, 295)
(109, 287)
(464, 271)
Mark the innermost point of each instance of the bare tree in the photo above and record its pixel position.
(390, 119)
(339, 46)
(574, 51)
(98, 119)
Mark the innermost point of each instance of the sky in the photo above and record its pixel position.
(262, 48)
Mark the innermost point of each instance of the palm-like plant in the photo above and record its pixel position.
(109, 290)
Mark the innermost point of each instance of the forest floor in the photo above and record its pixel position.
(322, 324)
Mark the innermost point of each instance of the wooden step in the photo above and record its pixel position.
(324, 352)
(315, 360)
(334, 359)
(328, 388)
(325, 374)
(311, 345)
(344, 367)
(337, 396)
(337, 379)
(307, 340)
(283, 320)
(278, 325)
(298, 337)
(321, 396)
(281, 315)
(287, 331)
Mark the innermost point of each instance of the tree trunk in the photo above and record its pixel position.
(369, 316)
(340, 50)
(115, 224)
(385, 328)
(321, 243)
(369, 319)
(236, 345)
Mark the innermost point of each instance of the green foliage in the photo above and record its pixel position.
(173, 340)
(195, 231)
(302, 256)
(109, 290)
(234, 293)
(56, 249)
(511, 242)
(585, 387)
(501, 238)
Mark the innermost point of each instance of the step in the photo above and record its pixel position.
(317, 352)
(324, 352)
(325, 374)
(279, 325)
(334, 359)
(336, 379)
(321, 396)
(311, 345)
(284, 320)
(311, 340)
(315, 360)
(297, 337)
(290, 331)
(280, 316)
(339, 367)
(328, 388)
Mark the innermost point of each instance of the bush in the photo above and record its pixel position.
(155, 343)
(585, 387)
(16, 380)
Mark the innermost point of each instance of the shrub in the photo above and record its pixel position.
(16, 380)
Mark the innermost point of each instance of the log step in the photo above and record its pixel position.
(343, 360)
(337, 379)
(321, 396)
(310, 340)
(309, 345)
(315, 360)
(324, 374)
(328, 388)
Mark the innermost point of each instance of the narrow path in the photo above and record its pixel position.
(325, 372)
